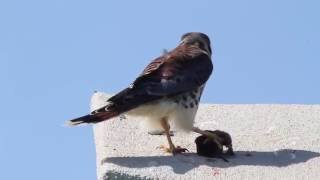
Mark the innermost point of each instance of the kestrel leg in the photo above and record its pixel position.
(172, 149)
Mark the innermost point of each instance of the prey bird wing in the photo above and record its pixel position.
(180, 70)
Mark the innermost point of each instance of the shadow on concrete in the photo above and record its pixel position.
(185, 162)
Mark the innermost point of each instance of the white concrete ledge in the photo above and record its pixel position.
(270, 142)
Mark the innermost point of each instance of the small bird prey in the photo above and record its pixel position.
(168, 89)
(207, 147)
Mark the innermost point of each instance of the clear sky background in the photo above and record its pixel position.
(54, 54)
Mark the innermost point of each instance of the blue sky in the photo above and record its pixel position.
(54, 54)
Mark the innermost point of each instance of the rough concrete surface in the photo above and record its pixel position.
(270, 142)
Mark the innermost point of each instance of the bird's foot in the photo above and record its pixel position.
(173, 150)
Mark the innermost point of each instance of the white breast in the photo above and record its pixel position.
(181, 110)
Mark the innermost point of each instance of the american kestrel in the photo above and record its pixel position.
(169, 89)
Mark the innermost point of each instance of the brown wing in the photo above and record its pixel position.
(179, 71)
(182, 70)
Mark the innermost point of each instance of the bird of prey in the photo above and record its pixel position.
(168, 89)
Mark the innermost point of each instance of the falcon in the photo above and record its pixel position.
(168, 89)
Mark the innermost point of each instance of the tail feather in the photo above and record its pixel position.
(124, 101)
(92, 118)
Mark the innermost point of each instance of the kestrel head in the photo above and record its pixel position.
(197, 39)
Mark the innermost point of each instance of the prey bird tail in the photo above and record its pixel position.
(95, 117)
